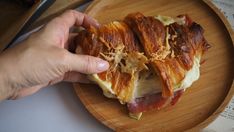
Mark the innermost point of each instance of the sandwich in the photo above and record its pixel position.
(153, 60)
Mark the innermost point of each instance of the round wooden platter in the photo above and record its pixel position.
(201, 103)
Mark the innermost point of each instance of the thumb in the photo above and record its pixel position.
(86, 64)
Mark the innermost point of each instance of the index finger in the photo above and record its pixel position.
(72, 17)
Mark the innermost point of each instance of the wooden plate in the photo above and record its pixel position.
(201, 103)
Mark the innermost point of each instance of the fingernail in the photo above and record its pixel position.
(96, 23)
(102, 65)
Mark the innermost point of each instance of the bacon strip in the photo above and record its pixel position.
(153, 101)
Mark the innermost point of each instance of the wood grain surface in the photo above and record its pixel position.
(201, 103)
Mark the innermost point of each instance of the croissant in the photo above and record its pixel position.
(152, 59)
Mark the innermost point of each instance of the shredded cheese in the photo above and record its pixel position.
(166, 50)
(163, 51)
(105, 43)
(127, 62)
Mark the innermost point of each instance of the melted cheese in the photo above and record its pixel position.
(192, 75)
(169, 20)
(147, 83)
(105, 86)
(165, 20)
(136, 116)
(134, 62)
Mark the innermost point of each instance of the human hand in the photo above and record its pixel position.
(43, 59)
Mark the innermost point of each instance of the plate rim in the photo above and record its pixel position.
(230, 94)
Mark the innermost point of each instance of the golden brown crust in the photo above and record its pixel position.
(172, 48)
(108, 42)
(150, 31)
